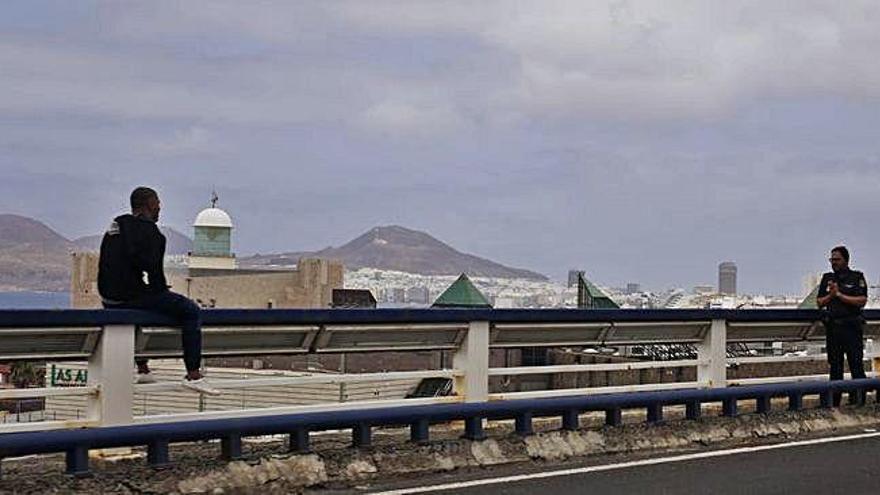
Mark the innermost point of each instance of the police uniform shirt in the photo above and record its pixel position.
(850, 283)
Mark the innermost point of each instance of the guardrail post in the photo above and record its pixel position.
(713, 350)
(419, 431)
(523, 424)
(613, 417)
(571, 420)
(473, 359)
(157, 453)
(858, 397)
(362, 435)
(728, 408)
(77, 461)
(230, 446)
(299, 441)
(110, 368)
(655, 413)
(473, 428)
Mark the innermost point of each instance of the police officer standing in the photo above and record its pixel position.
(842, 294)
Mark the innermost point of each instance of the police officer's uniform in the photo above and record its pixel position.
(843, 323)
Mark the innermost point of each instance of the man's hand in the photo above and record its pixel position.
(833, 289)
(858, 301)
(831, 293)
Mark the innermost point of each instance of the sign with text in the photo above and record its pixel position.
(67, 377)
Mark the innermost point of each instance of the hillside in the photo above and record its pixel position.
(34, 257)
(177, 243)
(16, 230)
(406, 250)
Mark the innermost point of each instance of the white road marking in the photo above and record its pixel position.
(623, 465)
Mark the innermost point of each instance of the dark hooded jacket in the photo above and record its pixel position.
(131, 262)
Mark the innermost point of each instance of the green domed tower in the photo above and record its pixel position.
(212, 239)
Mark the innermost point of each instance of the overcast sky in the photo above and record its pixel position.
(640, 141)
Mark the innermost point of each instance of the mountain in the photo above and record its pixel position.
(177, 243)
(401, 249)
(16, 230)
(33, 256)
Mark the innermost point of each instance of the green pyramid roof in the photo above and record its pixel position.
(595, 298)
(809, 302)
(462, 294)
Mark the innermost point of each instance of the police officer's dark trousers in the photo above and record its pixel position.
(844, 338)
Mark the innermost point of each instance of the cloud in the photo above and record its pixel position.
(43, 77)
(607, 135)
(276, 63)
(661, 59)
(191, 140)
(402, 119)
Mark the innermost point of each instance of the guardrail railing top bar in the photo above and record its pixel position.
(220, 317)
(24, 318)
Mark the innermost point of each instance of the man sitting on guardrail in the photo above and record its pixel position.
(131, 275)
(842, 295)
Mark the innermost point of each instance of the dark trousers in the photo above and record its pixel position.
(843, 337)
(183, 310)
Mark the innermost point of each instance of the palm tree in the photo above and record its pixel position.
(25, 375)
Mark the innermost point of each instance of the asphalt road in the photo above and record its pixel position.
(847, 467)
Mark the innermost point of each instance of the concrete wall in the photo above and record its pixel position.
(84, 281)
(310, 286)
(182, 401)
(665, 375)
(370, 362)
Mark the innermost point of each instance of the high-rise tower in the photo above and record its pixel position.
(727, 278)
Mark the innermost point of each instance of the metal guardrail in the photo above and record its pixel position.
(74, 334)
(110, 340)
(157, 437)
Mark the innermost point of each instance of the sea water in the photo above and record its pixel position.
(34, 300)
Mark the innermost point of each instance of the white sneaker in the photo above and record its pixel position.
(201, 386)
(143, 378)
